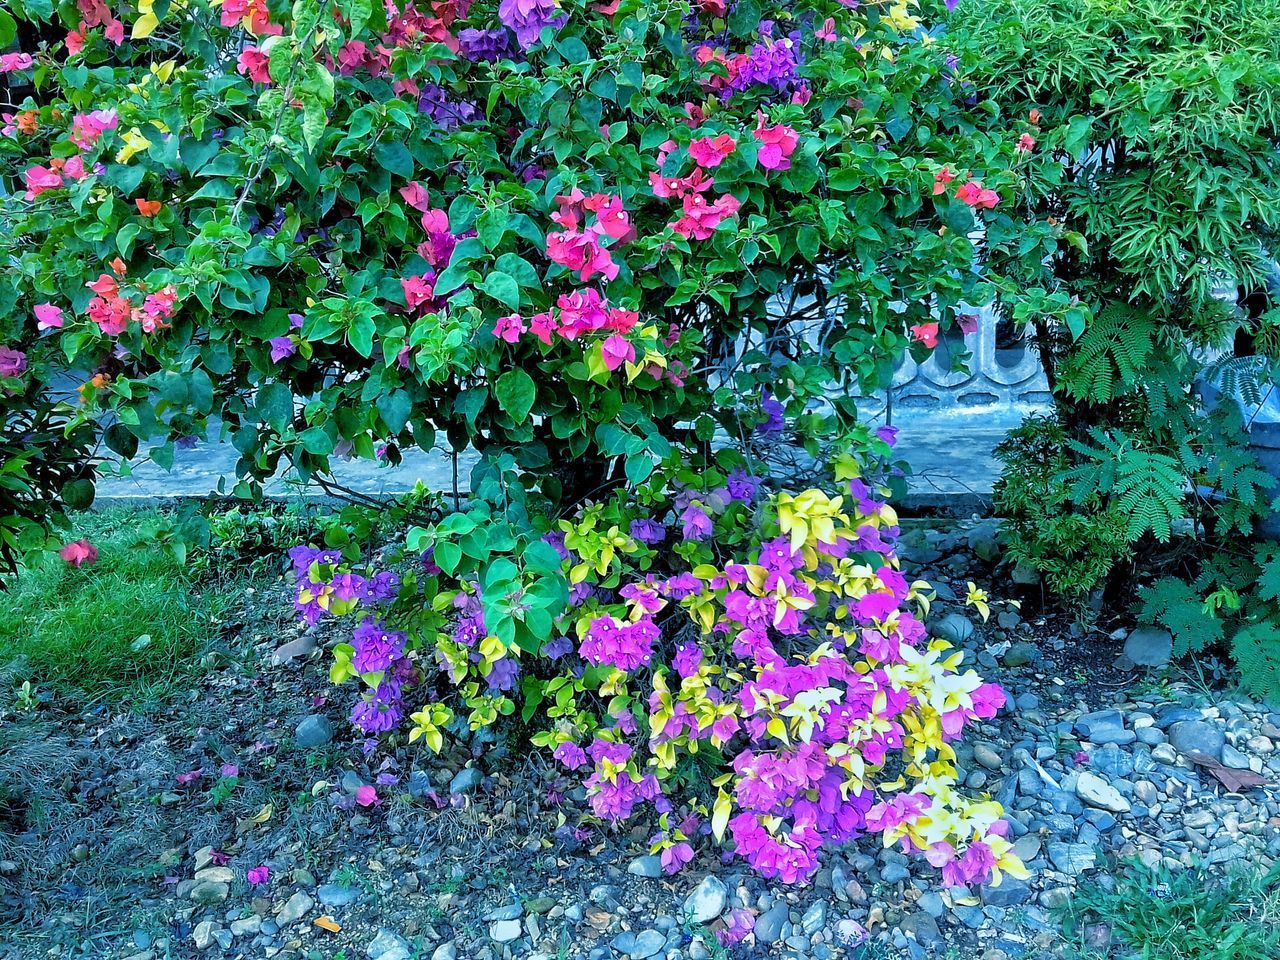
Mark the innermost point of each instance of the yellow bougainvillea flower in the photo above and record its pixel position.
(134, 143)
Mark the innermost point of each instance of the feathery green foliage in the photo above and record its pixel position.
(1164, 119)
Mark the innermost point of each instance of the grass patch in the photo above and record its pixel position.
(1189, 915)
(128, 626)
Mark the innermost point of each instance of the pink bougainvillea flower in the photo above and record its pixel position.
(10, 62)
(352, 55)
(75, 39)
(48, 317)
(253, 63)
(777, 144)
(415, 195)
(701, 218)
(419, 290)
(968, 323)
(827, 31)
(79, 553)
(190, 776)
(258, 875)
(926, 333)
(617, 350)
(104, 286)
(115, 32)
(675, 857)
(509, 328)
(542, 326)
(941, 179)
(581, 252)
(611, 218)
(710, 152)
(1026, 143)
(367, 796)
(39, 179)
(977, 196)
(74, 168)
(86, 128)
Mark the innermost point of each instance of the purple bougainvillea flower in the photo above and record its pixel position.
(13, 363)
(772, 410)
(258, 875)
(648, 531)
(367, 795)
(282, 348)
(526, 18)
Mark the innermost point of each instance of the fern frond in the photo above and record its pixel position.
(1237, 377)
(1149, 488)
(1176, 606)
(1109, 355)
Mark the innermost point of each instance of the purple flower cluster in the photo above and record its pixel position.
(770, 63)
(614, 796)
(527, 18)
(447, 111)
(483, 45)
(378, 650)
(376, 647)
(627, 646)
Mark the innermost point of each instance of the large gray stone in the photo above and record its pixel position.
(1104, 726)
(1197, 736)
(1010, 893)
(1149, 646)
(649, 865)
(388, 946)
(337, 895)
(295, 908)
(954, 627)
(647, 944)
(313, 731)
(504, 931)
(769, 926)
(1096, 792)
(923, 927)
(1072, 858)
(707, 900)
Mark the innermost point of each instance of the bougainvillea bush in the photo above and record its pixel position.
(742, 664)
(573, 231)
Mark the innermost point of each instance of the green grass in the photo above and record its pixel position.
(128, 626)
(1189, 915)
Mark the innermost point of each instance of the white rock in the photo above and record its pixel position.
(1096, 792)
(707, 901)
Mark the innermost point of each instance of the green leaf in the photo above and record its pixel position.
(395, 158)
(274, 404)
(515, 392)
(120, 440)
(447, 555)
(316, 441)
(502, 288)
(394, 408)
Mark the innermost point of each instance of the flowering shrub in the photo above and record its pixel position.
(567, 230)
(694, 621)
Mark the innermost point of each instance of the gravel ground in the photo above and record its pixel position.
(1102, 756)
